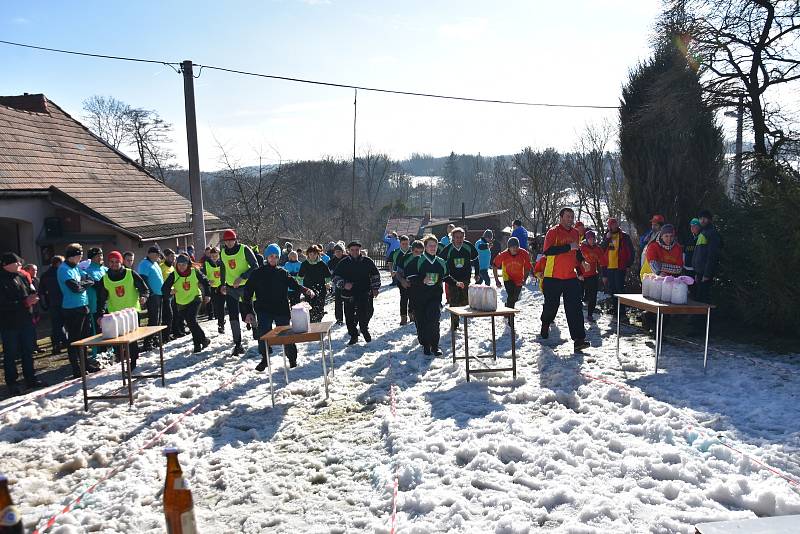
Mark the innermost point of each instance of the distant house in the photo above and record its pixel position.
(59, 183)
(410, 225)
(474, 225)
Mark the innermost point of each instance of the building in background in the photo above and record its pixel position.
(59, 183)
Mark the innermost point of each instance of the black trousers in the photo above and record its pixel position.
(457, 296)
(553, 289)
(318, 304)
(264, 325)
(76, 321)
(405, 305)
(189, 314)
(166, 313)
(512, 293)
(154, 306)
(357, 312)
(426, 317)
(218, 305)
(178, 325)
(232, 302)
(590, 284)
(338, 306)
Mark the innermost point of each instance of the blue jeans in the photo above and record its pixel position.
(265, 322)
(18, 344)
(484, 274)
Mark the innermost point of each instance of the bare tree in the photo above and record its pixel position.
(107, 117)
(150, 136)
(544, 184)
(251, 197)
(747, 49)
(596, 176)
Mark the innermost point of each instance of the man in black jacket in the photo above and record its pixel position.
(338, 303)
(17, 299)
(706, 256)
(270, 284)
(359, 281)
(51, 302)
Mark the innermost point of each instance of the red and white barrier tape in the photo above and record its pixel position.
(700, 430)
(50, 522)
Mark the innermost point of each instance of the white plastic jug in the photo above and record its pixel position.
(134, 319)
(666, 289)
(680, 292)
(482, 298)
(647, 285)
(301, 318)
(655, 288)
(109, 325)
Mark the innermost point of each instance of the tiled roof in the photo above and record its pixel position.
(409, 226)
(41, 146)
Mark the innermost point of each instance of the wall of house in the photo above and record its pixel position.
(29, 214)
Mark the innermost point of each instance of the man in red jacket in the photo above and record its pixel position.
(619, 257)
(562, 249)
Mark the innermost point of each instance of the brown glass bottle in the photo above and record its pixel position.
(10, 518)
(178, 507)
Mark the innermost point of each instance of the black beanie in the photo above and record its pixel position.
(73, 251)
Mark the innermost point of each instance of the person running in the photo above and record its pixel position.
(520, 232)
(516, 265)
(595, 258)
(620, 254)
(394, 265)
(212, 269)
(292, 266)
(664, 254)
(128, 257)
(150, 270)
(359, 281)
(461, 258)
(121, 288)
(338, 302)
(561, 278)
(406, 289)
(484, 246)
(51, 299)
(270, 284)
(238, 261)
(392, 243)
(445, 240)
(189, 286)
(17, 332)
(426, 273)
(315, 275)
(75, 304)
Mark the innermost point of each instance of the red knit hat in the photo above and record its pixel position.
(657, 219)
(229, 235)
(115, 255)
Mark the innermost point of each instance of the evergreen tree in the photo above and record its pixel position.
(670, 144)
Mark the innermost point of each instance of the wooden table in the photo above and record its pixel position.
(661, 309)
(284, 335)
(467, 313)
(123, 343)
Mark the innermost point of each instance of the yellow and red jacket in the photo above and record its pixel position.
(664, 261)
(562, 262)
(595, 257)
(515, 267)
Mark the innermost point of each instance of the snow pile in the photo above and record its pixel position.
(577, 443)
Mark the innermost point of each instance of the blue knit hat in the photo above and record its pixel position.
(271, 249)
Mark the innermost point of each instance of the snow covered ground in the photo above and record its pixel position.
(577, 443)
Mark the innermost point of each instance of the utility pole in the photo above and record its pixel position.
(353, 198)
(738, 183)
(195, 187)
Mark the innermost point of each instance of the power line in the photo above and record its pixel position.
(407, 93)
(173, 65)
(88, 54)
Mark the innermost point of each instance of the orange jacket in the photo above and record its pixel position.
(663, 261)
(561, 260)
(595, 257)
(515, 268)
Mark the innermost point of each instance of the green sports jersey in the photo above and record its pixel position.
(460, 260)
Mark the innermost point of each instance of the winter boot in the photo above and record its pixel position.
(237, 350)
(403, 320)
(581, 344)
(221, 329)
(292, 362)
(263, 364)
(353, 340)
(436, 351)
(426, 350)
(545, 332)
(366, 335)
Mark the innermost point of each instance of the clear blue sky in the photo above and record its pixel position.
(575, 51)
